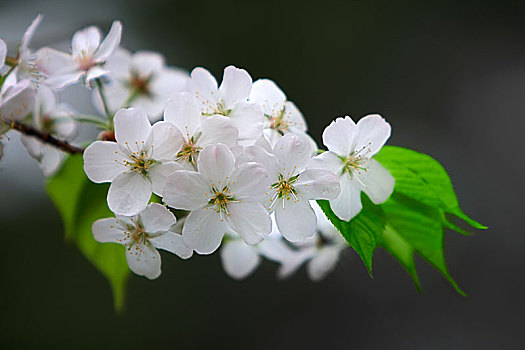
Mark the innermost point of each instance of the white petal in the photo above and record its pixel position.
(18, 101)
(183, 110)
(340, 135)
(269, 161)
(52, 62)
(204, 86)
(377, 182)
(372, 133)
(34, 147)
(173, 243)
(103, 161)
(215, 162)
(151, 104)
(167, 141)
(94, 73)
(108, 231)
(51, 160)
(28, 34)
(318, 184)
(156, 217)
(235, 87)
(250, 220)
(266, 93)
(294, 262)
(144, 260)
(60, 80)
(328, 161)
(110, 43)
(129, 194)
(118, 64)
(132, 127)
(85, 41)
(218, 129)
(294, 117)
(159, 174)
(323, 263)
(248, 118)
(296, 221)
(3, 52)
(293, 152)
(146, 63)
(203, 230)
(250, 179)
(186, 190)
(169, 81)
(348, 204)
(238, 259)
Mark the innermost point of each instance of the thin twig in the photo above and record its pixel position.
(46, 137)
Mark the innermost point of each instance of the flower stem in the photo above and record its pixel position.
(45, 137)
(100, 89)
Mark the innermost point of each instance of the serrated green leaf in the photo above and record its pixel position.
(400, 249)
(420, 226)
(363, 233)
(422, 178)
(80, 203)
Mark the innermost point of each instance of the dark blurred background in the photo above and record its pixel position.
(450, 78)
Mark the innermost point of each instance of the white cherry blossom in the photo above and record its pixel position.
(350, 150)
(142, 235)
(230, 99)
(54, 118)
(141, 80)
(281, 116)
(293, 186)
(17, 99)
(86, 61)
(221, 197)
(26, 67)
(137, 164)
(183, 111)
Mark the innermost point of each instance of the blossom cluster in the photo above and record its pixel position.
(234, 161)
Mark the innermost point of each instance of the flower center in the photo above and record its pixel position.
(85, 61)
(355, 161)
(284, 189)
(140, 162)
(278, 122)
(189, 151)
(219, 109)
(140, 84)
(220, 199)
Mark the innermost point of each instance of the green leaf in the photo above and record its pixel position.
(363, 232)
(80, 203)
(421, 227)
(422, 178)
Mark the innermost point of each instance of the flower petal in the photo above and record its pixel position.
(159, 174)
(183, 111)
(248, 118)
(103, 161)
(250, 220)
(108, 231)
(328, 161)
(170, 81)
(3, 52)
(372, 133)
(144, 260)
(218, 129)
(323, 263)
(348, 204)
(18, 101)
(53, 62)
(51, 160)
(60, 80)
(377, 182)
(110, 43)
(156, 217)
(129, 194)
(215, 162)
(118, 64)
(340, 135)
(173, 243)
(318, 184)
(146, 63)
(293, 152)
(250, 179)
(266, 93)
(132, 127)
(294, 117)
(296, 220)
(203, 230)
(204, 86)
(167, 141)
(238, 259)
(85, 41)
(236, 86)
(186, 190)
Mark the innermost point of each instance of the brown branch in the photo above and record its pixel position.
(46, 137)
